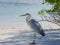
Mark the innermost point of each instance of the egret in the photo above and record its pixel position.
(34, 25)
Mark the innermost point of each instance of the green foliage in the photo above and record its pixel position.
(56, 4)
(48, 10)
(41, 12)
(56, 7)
(51, 1)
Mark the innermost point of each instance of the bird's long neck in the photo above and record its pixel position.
(28, 18)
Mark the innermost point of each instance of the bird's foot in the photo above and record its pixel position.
(33, 43)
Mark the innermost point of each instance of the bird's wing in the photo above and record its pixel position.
(37, 27)
(35, 24)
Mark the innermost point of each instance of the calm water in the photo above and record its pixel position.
(9, 13)
(10, 23)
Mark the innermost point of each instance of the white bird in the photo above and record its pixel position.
(34, 25)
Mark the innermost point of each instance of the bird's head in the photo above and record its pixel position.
(25, 14)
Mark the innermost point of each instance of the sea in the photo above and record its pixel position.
(12, 25)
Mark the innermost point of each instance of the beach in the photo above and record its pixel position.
(25, 37)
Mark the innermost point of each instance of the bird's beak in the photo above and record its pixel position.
(23, 15)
